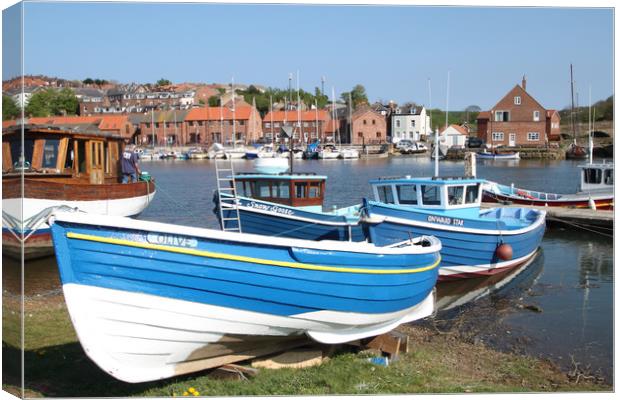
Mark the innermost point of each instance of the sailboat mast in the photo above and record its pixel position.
(447, 98)
(590, 143)
(153, 127)
(234, 132)
(350, 119)
(572, 104)
(301, 132)
(316, 119)
(334, 111)
(271, 122)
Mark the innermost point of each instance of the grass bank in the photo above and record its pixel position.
(56, 366)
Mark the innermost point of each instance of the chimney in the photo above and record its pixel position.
(523, 82)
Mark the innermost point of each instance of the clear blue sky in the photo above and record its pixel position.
(391, 50)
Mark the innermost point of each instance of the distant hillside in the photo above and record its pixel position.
(602, 110)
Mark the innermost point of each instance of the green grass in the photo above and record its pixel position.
(56, 365)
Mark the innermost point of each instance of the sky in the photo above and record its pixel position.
(392, 51)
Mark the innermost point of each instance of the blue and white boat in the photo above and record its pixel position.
(289, 205)
(485, 155)
(475, 241)
(151, 300)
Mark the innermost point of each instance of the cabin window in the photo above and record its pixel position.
(300, 190)
(455, 195)
(283, 190)
(431, 195)
(50, 153)
(243, 188)
(407, 194)
(592, 175)
(81, 155)
(314, 190)
(385, 194)
(263, 189)
(609, 177)
(70, 155)
(16, 151)
(471, 194)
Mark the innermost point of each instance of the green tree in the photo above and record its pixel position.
(49, 102)
(88, 81)
(201, 102)
(358, 96)
(163, 82)
(10, 109)
(214, 101)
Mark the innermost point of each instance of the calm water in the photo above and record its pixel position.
(559, 306)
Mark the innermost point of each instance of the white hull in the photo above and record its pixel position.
(329, 155)
(349, 153)
(116, 207)
(483, 269)
(138, 337)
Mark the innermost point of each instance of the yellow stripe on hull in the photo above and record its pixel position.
(209, 254)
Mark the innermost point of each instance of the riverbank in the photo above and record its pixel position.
(441, 361)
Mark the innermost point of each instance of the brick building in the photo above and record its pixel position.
(312, 124)
(367, 127)
(164, 128)
(518, 120)
(208, 125)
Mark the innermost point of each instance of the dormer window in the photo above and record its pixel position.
(517, 100)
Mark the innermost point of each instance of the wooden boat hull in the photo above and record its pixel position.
(170, 295)
(496, 193)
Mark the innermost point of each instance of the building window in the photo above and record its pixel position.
(373, 122)
(379, 134)
(502, 116)
(242, 122)
(517, 100)
(398, 123)
(148, 124)
(305, 124)
(156, 124)
(413, 123)
(498, 136)
(267, 124)
(360, 134)
(364, 122)
(536, 115)
(533, 136)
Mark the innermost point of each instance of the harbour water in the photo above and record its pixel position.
(560, 307)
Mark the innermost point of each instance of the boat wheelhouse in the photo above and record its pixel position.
(61, 166)
(289, 205)
(596, 190)
(475, 241)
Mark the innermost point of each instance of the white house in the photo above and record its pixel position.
(453, 136)
(412, 125)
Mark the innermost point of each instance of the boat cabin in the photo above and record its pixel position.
(597, 177)
(445, 194)
(53, 152)
(297, 190)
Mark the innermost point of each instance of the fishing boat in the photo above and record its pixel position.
(485, 155)
(62, 166)
(274, 203)
(312, 151)
(197, 153)
(150, 301)
(596, 190)
(476, 242)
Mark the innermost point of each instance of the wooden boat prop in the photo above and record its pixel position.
(596, 190)
(61, 167)
(150, 300)
(289, 205)
(475, 242)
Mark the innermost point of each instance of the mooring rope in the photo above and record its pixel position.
(580, 226)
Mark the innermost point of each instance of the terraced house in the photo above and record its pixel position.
(208, 125)
(518, 120)
(309, 125)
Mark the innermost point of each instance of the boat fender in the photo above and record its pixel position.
(504, 251)
(591, 204)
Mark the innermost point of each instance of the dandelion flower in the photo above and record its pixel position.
(185, 394)
(191, 390)
(196, 393)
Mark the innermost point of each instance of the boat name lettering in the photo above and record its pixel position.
(445, 220)
(171, 240)
(266, 207)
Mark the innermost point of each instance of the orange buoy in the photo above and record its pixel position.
(504, 251)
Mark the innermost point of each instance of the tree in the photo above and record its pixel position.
(49, 102)
(213, 101)
(88, 81)
(10, 109)
(358, 96)
(201, 102)
(163, 82)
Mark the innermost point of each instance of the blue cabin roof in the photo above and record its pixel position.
(427, 180)
(283, 177)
